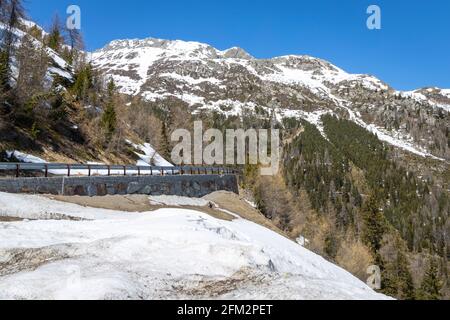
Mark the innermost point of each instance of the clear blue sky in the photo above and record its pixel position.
(412, 50)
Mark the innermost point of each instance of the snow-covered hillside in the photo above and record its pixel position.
(86, 253)
(57, 67)
(204, 78)
(149, 158)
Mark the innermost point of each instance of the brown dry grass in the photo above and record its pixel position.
(9, 219)
(354, 257)
(237, 204)
(134, 203)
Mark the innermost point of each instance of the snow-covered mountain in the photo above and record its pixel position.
(144, 59)
(71, 252)
(204, 78)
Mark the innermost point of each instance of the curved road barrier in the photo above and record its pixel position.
(101, 180)
(55, 169)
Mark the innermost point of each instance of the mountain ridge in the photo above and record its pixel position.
(221, 53)
(201, 77)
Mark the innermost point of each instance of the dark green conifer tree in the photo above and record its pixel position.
(109, 118)
(165, 144)
(374, 225)
(431, 285)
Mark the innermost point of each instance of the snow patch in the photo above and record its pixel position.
(165, 254)
(177, 201)
(390, 139)
(150, 156)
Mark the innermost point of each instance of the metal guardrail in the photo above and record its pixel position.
(55, 169)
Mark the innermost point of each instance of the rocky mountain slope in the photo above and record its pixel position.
(201, 77)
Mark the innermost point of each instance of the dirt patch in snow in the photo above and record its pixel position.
(237, 204)
(217, 288)
(134, 203)
(18, 260)
(10, 219)
(42, 216)
(213, 212)
(140, 203)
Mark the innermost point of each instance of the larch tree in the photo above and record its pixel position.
(75, 40)
(55, 39)
(32, 64)
(12, 12)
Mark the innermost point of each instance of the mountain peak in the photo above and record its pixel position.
(176, 47)
(237, 53)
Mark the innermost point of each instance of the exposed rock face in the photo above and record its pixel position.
(230, 81)
(237, 53)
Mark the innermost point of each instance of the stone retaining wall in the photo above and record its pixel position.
(186, 185)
